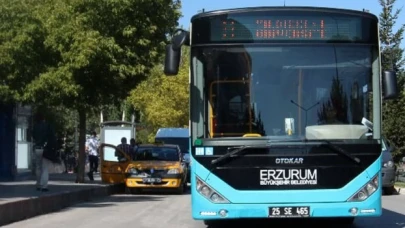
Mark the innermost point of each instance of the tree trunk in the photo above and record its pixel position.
(82, 141)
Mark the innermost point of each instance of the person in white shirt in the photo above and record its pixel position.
(92, 145)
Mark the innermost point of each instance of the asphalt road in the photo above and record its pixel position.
(173, 211)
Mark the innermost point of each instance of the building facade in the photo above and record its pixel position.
(15, 141)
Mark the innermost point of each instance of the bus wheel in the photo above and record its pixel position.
(345, 221)
(211, 223)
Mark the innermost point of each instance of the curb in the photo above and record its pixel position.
(28, 208)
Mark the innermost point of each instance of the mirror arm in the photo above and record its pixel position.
(178, 40)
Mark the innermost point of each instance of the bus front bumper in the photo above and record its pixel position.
(203, 209)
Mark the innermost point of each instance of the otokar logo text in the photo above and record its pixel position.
(288, 177)
(289, 160)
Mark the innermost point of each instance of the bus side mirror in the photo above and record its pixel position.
(390, 85)
(172, 60)
(173, 52)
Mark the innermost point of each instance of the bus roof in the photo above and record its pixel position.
(172, 132)
(279, 8)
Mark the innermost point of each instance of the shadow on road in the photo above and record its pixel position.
(114, 201)
(392, 191)
(58, 183)
(389, 219)
(120, 198)
(257, 223)
(18, 191)
(162, 192)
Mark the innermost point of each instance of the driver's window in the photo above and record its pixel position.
(384, 145)
(112, 154)
(388, 144)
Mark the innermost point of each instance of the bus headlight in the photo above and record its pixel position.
(209, 192)
(366, 191)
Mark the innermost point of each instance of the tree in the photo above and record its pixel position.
(23, 55)
(164, 100)
(392, 58)
(335, 109)
(392, 54)
(98, 50)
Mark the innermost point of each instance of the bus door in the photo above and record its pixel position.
(230, 112)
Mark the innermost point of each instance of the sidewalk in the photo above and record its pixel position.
(20, 200)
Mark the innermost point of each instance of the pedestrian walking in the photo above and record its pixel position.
(44, 148)
(92, 145)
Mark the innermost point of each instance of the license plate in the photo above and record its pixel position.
(289, 212)
(152, 180)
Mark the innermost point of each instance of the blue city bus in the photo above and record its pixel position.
(285, 112)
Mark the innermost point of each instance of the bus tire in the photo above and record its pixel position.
(210, 223)
(346, 221)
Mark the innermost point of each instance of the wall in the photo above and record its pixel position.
(7, 142)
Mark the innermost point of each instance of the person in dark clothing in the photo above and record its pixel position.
(134, 146)
(132, 142)
(124, 146)
(44, 145)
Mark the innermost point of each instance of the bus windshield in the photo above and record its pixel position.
(281, 90)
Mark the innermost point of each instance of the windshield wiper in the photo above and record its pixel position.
(231, 153)
(336, 149)
(327, 143)
(341, 151)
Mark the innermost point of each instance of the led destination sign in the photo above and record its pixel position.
(284, 26)
(287, 28)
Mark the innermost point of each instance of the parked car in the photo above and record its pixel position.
(388, 167)
(178, 136)
(152, 166)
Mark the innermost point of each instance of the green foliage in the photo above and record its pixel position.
(334, 109)
(392, 54)
(164, 100)
(393, 123)
(392, 58)
(23, 54)
(104, 49)
(83, 55)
